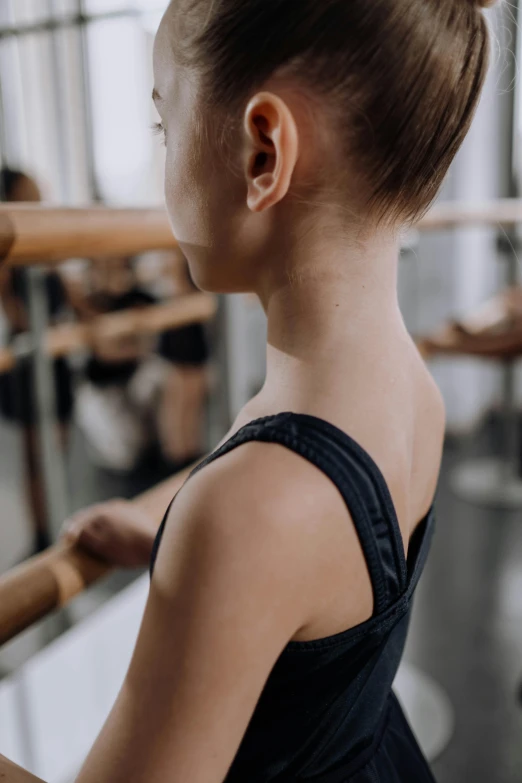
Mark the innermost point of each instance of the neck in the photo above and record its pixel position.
(335, 302)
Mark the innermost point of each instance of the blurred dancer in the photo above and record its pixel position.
(181, 413)
(133, 395)
(111, 418)
(17, 387)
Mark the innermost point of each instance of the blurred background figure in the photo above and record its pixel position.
(184, 394)
(17, 387)
(109, 414)
(142, 397)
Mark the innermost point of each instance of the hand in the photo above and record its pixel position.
(117, 532)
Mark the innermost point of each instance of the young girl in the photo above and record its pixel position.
(301, 138)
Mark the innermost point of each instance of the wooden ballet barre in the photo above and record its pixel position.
(48, 581)
(65, 339)
(32, 233)
(450, 342)
(503, 212)
(12, 773)
(492, 330)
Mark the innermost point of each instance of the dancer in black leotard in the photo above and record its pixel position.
(327, 711)
(181, 415)
(17, 387)
(130, 393)
(301, 139)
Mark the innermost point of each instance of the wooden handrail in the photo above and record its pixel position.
(12, 773)
(450, 341)
(493, 330)
(50, 580)
(35, 233)
(64, 339)
(454, 214)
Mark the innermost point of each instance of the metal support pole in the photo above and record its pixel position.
(53, 469)
(3, 145)
(86, 93)
(511, 433)
(59, 88)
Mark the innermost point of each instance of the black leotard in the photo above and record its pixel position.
(327, 713)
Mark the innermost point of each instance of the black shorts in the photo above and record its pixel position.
(17, 392)
(103, 374)
(186, 345)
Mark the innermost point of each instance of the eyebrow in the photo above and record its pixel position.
(156, 96)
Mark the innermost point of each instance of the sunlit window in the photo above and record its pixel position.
(75, 97)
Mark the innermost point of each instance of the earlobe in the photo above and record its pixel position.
(272, 140)
(260, 192)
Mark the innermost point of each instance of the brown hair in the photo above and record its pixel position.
(403, 77)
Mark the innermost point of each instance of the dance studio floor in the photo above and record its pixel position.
(467, 626)
(467, 629)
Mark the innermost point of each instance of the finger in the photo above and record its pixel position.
(69, 535)
(98, 527)
(96, 543)
(80, 519)
(70, 529)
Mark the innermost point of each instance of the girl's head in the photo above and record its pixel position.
(285, 117)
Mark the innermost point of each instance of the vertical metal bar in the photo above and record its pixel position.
(3, 144)
(511, 430)
(86, 92)
(44, 398)
(44, 392)
(512, 77)
(511, 425)
(59, 104)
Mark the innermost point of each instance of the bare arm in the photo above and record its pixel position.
(78, 299)
(229, 590)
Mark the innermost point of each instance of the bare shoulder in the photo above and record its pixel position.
(257, 486)
(257, 505)
(269, 481)
(262, 519)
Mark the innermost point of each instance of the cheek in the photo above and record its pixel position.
(187, 199)
(204, 204)
(179, 192)
(188, 194)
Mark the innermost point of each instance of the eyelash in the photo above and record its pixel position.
(158, 128)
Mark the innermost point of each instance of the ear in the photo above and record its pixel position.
(273, 150)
